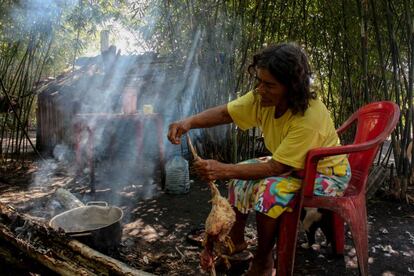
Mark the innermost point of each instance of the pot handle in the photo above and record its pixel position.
(80, 235)
(97, 203)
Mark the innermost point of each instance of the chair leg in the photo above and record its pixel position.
(358, 226)
(332, 226)
(338, 240)
(286, 242)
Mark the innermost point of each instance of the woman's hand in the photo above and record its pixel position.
(176, 130)
(209, 169)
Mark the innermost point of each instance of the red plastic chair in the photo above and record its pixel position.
(374, 123)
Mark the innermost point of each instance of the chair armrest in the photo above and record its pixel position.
(317, 154)
(346, 125)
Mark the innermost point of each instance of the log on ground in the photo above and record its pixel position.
(54, 249)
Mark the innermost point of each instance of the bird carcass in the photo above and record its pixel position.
(217, 227)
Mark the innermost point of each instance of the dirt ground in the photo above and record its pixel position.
(155, 229)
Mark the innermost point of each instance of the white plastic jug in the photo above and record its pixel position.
(177, 178)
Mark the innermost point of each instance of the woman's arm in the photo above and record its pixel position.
(211, 117)
(211, 170)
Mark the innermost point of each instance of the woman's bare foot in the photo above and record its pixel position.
(260, 267)
(233, 245)
(235, 248)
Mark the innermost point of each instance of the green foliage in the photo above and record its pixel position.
(41, 38)
(361, 51)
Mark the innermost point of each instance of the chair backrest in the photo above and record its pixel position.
(374, 123)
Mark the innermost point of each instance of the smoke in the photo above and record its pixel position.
(192, 88)
(45, 173)
(61, 153)
(125, 150)
(192, 52)
(49, 168)
(121, 161)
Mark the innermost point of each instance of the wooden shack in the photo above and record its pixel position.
(103, 84)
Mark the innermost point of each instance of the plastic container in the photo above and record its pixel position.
(177, 178)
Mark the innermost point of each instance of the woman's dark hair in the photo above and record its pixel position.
(288, 64)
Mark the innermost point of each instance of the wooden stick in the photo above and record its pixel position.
(193, 151)
(114, 266)
(214, 189)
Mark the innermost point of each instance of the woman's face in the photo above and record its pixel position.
(270, 89)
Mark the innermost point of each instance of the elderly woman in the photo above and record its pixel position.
(293, 121)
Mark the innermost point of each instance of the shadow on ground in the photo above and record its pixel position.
(155, 229)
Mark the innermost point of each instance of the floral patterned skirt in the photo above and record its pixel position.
(271, 195)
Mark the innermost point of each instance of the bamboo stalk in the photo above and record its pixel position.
(19, 122)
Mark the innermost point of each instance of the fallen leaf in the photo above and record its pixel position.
(383, 230)
(352, 252)
(316, 247)
(388, 249)
(370, 260)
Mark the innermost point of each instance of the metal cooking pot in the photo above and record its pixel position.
(95, 224)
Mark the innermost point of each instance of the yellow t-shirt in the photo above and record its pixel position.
(290, 137)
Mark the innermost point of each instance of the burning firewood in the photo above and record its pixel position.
(55, 250)
(218, 224)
